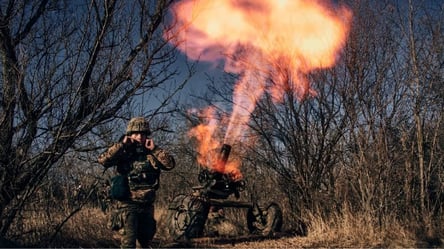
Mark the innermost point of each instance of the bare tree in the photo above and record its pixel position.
(372, 96)
(68, 69)
(423, 31)
(372, 136)
(393, 67)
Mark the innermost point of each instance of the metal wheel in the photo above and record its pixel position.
(186, 217)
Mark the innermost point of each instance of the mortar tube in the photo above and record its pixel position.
(224, 154)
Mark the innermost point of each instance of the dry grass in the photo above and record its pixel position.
(345, 231)
(88, 229)
(357, 230)
(360, 230)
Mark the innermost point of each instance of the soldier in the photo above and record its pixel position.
(138, 162)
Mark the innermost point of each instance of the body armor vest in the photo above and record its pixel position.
(143, 177)
(143, 174)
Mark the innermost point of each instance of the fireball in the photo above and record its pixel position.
(270, 44)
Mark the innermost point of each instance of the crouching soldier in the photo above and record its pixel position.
(138, 162)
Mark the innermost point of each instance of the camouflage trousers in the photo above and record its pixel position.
(137, 224)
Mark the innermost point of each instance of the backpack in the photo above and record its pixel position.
(120, 189)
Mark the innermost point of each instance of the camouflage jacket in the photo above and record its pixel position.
(141, 166)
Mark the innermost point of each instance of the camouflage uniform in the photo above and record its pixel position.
(142, 167)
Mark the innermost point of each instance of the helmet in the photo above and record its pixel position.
(138, 124)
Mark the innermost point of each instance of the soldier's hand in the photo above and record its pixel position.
(149, 144)
(127, 140)
(129, 144)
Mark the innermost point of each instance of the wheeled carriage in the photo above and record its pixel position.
(188, 213)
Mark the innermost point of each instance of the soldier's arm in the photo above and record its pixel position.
(163, 159)
(112, 155)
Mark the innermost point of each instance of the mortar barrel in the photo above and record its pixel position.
(224, 153)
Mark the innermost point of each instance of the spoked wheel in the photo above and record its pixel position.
(265, 222)
(186, 217)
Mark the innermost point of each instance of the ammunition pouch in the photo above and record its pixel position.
(143, 187)
(117, 220)
(144, 180)
(144, 176)
(143, 196)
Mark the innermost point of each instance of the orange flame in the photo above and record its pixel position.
(205, 135)
(209, 145)
(270, 44)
